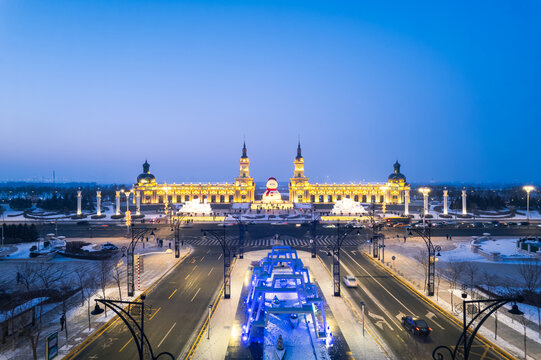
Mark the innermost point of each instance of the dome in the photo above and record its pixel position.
(397, 176)
(146, 176)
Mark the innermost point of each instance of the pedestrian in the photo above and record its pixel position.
(18, 277)
(169, 244)
(404, 238)
(450, 238)
(62, 321)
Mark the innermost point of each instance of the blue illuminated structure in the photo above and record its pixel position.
(282, 274)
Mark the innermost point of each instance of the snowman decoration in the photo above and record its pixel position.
(272, 195)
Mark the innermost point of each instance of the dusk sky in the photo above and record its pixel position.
(91, 89)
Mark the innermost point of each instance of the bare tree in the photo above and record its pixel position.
(49, 274)
(471, 269)
(27, 275)
(422, 257)
(116, 274)
(104, 276)
(453, 269)
(531, 274)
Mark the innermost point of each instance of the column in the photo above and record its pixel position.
(79, 212)
(127, 193)
(464, 210)
(117, 199)
(138, 203)
(445, 196)
(406, 202)
(98, 202)
(425, 202)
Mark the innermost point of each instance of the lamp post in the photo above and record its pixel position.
(425, 191)
(528, 189)
(242, 229)
(313, 231)
(433, 251)
(375, 233)
(175, 222)
(220, 237)
(136, 235)
(466, 341)
(340, 237)
(142, 342)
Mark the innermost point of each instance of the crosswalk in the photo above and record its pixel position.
(321, 241)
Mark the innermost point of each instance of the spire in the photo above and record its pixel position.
(299, 153)
(146, 167)
(396, 167)
(244, 154)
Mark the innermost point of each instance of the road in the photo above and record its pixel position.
(178, 303)
(180, 300)
(387, 300)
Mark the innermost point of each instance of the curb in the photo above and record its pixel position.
(98, 332)
(444, 312)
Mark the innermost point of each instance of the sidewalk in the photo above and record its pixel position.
(510, 329)
(223, 325)
(156, 263)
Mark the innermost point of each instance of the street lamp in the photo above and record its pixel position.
(492, 305)
(425, 191)
(222, 240)
(528, 189)
(433, 251)
(340, 237)
(141, 342)
(136, 235)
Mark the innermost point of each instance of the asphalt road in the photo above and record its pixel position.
(178, 303)
(387, 300)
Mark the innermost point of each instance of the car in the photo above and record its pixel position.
(417, 327)
(109, 246)
(331, 226)
(350, 281)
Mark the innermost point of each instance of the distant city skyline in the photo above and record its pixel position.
(449, 89)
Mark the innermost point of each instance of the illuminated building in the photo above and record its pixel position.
(241, 191)
(148, 191)
(394, 191)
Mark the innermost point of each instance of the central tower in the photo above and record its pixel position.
(298, 186)
(244, 184)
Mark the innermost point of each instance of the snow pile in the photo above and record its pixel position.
(196, 207)
(347, 206)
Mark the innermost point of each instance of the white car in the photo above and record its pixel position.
(331, 226)
(350, 281)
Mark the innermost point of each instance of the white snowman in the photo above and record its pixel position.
(272, 195)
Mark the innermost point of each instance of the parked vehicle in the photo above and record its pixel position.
(109, 246)
(417, 327)
(350, 281)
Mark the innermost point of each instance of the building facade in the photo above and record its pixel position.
(148, 191)
(241, 191)
(394, 191)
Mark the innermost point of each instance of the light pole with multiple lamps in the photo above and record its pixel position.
(143, 344)
(433, 251)
(340, 237)
(465, 341)
(136, 235)
(528, 189)
(227, 250)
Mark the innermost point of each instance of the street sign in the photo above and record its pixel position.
(51, 346)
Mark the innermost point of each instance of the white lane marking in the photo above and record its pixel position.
(197, 292)
(167, 334)
(219, 257)
(430, 315)
(210, 271)
(374, 299)
(380, 320)
(383, 287)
